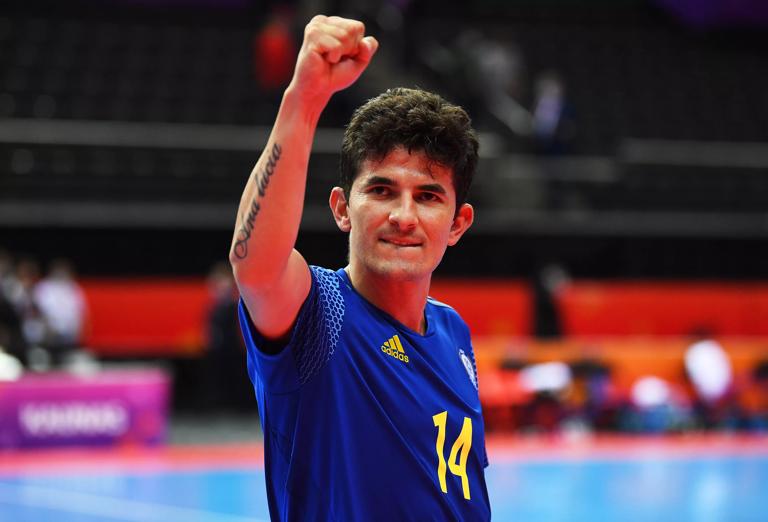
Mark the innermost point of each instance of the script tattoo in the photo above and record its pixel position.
(262, 181)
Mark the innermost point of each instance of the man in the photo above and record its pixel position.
(367, 389)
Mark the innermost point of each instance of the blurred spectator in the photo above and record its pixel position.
(552, 118)
(754, 398)
(709, 370)
(486, 77)
(656, 406)
(225, 375)
(593, 395)
(504, 396)
(21, 295)
(498, 76)
(63, 307)
(7, 274)
(275, 51)
(549, 282)
(547, 382)
(12, 339)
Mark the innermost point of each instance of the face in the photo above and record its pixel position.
(401, 216)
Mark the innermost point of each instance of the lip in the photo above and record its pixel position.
(401, 242)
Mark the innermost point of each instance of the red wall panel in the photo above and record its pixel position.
(153, 316)
(167, 316)
(490, 307)
(664, 308)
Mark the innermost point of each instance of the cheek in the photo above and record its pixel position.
(441, 225)
(366, 217)
(359, 236)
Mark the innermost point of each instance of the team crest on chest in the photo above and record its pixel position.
(469, 367)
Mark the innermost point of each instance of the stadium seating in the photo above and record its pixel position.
(629, 74)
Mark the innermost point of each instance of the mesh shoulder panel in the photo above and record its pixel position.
(317, 333)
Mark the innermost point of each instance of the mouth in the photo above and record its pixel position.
(401, 242)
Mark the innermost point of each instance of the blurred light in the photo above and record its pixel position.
(650, 392)
(709, 368)
(552, 377)
(10, 367)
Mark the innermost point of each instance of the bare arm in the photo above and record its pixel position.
(272, 276)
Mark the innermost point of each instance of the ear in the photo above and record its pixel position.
(340, 209)
(461, 223)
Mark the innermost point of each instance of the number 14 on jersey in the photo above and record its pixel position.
(457, 460)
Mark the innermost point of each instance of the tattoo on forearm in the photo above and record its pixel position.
(262, 181)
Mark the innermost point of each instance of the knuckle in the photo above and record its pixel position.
(313, 25)
(313, 32)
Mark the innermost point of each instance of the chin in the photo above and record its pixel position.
(401, 269)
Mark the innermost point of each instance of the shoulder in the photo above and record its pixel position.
(324, 276)
(450, 323)
(446, 314)
(327, 290)
(326, 282)
(443, 309)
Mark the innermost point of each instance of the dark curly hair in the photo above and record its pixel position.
(416, 120)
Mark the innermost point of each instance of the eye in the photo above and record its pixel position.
(380, 190)
(428, 197)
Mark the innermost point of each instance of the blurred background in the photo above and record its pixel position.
(615, 279)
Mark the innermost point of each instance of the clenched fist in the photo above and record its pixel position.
(334, 53)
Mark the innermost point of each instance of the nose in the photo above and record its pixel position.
(403, 214)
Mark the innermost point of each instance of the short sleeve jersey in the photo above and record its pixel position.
(366, 419)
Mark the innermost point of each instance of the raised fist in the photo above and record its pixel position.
(334, 53)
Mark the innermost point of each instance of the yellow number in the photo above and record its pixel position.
(460, 448)
(439, 420)
(463, 443)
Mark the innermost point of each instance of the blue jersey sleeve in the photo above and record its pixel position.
(312, 342)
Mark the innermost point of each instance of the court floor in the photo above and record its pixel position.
(706, 478)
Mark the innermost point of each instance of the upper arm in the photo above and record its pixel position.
(273, 310)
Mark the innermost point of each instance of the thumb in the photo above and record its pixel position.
(366, 49)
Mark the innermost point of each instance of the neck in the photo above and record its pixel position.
(402, 299)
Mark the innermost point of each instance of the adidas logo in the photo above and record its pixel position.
(394, 348)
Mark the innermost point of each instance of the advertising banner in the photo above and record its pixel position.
(106, 409)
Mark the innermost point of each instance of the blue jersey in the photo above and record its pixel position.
(365, 419)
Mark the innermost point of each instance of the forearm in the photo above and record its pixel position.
(271, 205)
(273, 278)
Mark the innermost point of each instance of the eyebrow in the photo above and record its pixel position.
(432, 187)
(380, 180)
